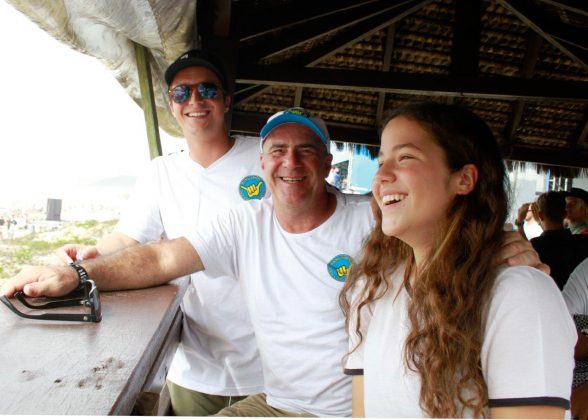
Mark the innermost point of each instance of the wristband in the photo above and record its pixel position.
(82, 274)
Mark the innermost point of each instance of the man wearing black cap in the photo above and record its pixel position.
(556, 246)
(577, 210)
(291, 255)
(217, 362)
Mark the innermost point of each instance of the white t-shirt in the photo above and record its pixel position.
(218, 352)
(575, 292)
(527, 354)
(291, 284)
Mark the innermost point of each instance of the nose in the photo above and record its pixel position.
(195, 95)
(385, 174)
(291, 159)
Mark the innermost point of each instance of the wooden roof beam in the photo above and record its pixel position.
(280, 16)
(362, 30)
(465, 52)
(564, 157)
(319, 28)
(505, 88)
(527, 70)
(571, 41)
(575, 6)
(580, 135)
(388, 49)
(341, 41)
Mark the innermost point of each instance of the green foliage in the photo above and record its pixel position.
(34, 249)
(88, 224)
(23, 256)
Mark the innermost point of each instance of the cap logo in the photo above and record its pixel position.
(252, 187)
(339, 267)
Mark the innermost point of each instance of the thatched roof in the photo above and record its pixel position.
(522, 65)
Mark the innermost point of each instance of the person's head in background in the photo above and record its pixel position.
(552, 210)
(577, 208)
(442, 202)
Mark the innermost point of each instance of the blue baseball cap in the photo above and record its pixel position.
(296, 116)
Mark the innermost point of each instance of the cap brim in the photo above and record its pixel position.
(288, 118)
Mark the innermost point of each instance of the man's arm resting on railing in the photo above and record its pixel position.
(135, 267)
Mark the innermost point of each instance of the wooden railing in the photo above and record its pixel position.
(115, 367)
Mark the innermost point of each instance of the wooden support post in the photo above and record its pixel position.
(148, 100)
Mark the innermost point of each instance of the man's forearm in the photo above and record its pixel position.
(143, 266)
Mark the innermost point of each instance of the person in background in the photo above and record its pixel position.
(217, 362)
(575, 294)
(556, 246)
(291, 254)
(577, 211)
(527, 221)
(436, 328)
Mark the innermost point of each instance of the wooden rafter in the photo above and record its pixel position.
(573, 42)
(575, 6)
(320, 27)
(465, 52)
(506, 88)
(527, 69)
(388, 49)
(343, 40)
(286, 15)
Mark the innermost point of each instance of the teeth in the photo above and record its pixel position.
(196, 114)
(287, 179)
(393, 198)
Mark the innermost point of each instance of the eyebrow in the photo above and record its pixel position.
(402, 146)
(298, 146)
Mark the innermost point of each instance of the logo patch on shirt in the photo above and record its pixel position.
(339, 267)
(252, 187)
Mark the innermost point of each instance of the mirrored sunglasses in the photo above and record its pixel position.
(181, 93)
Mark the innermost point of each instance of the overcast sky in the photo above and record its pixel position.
(63, 116)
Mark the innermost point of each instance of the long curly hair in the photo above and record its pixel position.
(449, 296)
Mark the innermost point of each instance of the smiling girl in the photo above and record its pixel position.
(436, 327)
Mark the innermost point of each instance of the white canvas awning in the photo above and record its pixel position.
(108, 29)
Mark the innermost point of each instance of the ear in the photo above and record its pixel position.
(261, 162)
(541, 215)
(466, 179)
(328, 162)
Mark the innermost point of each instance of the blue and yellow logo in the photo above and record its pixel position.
(339, 267)
(252, 187)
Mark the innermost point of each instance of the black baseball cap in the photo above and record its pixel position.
(197, 58)
(578, 193)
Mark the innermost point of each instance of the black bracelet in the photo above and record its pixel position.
(82, 274)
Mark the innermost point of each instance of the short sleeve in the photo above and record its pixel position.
(528, 349)
(216, 243)
(575, 292)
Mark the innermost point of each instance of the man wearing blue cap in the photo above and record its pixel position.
(291, 255)
(217, 362)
